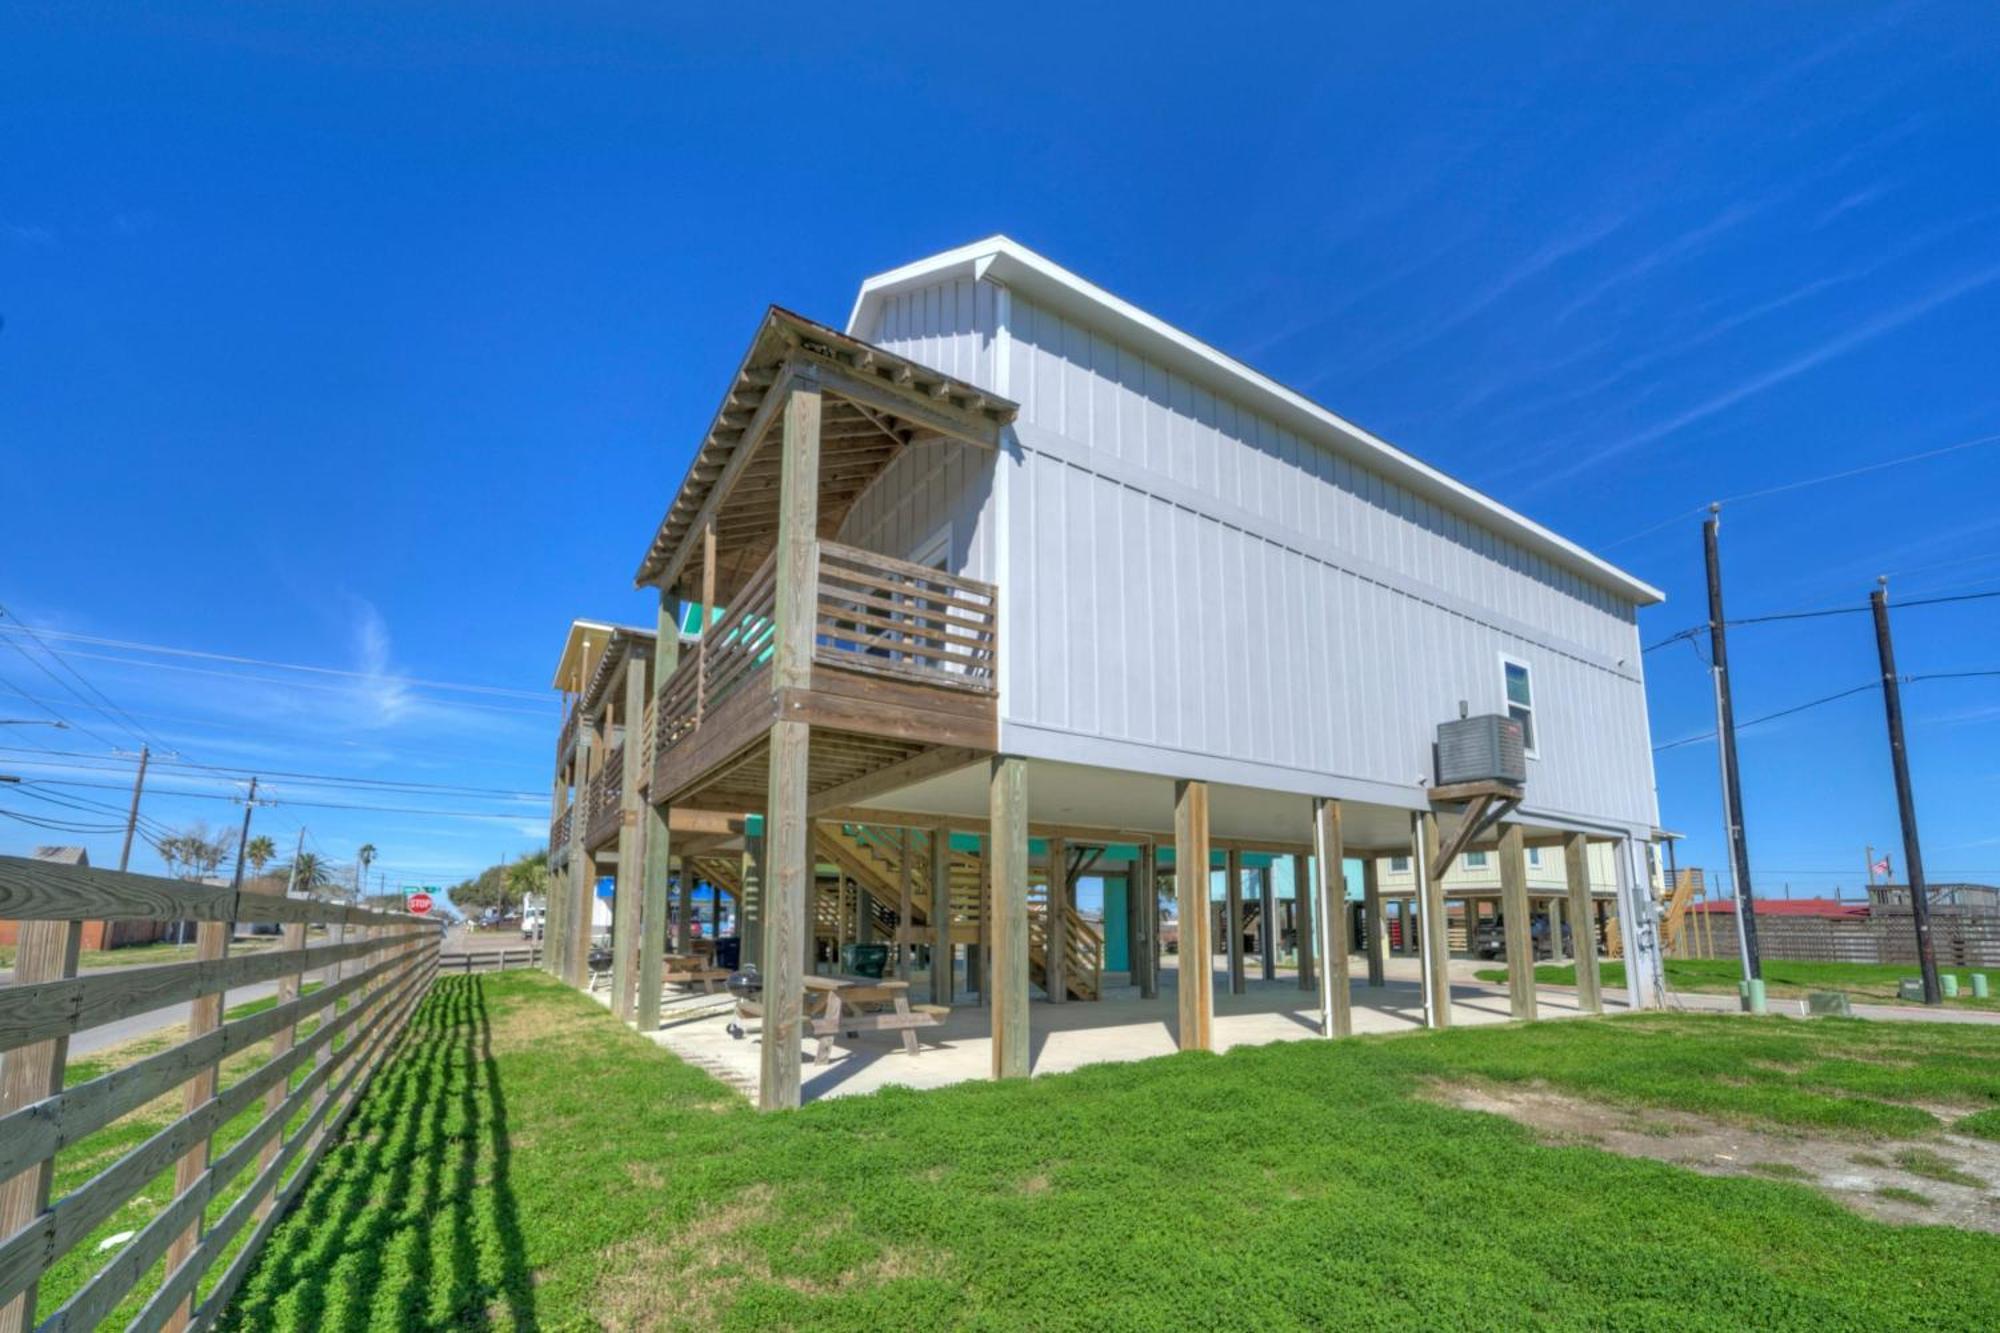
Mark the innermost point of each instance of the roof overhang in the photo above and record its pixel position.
(582, 649)
(874, 404)
(622, 644)
(1014, 266)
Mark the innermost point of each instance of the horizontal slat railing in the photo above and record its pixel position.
(896, 618)
(372, 981)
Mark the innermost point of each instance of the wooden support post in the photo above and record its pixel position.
(1557, 953)
(658, 863)
(684, 910)
(1267, 925)
(942, 964)
(1055, 954)
(1233, 916)
(1330, 910)
(1007, 909)
(708, 617)
(1576, 870)
(1431, 921)
(582, 869)
(788, 831)
(211, 944)
(906, 904)
(1371, 911)
(1147, 885)
(47, 951)
(1518, 919)
(1197, 948)
(631, 865)
(1305, 923)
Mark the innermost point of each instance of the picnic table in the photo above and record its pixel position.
(853, 1005)
(683, 969)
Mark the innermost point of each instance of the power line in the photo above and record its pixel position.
(105, 702)
(1827, 699)
(101, 763)
(48, 708)
(1912, 603)
(503, 691)
(308, 805)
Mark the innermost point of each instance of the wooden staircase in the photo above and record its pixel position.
(872, 857)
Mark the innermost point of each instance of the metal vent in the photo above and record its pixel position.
(1488, 748)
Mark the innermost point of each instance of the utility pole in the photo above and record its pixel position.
(1725, 737)
(132, 818)
(243, 838)
(292, 882)
(1906, 801)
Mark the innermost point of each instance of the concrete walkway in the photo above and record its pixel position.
(1120, 1027)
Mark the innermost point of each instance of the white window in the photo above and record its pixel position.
(1399, 865)
(1475, 860)
(1520, 690)
(1535, 856)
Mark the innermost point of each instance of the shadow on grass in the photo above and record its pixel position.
(410, 1220)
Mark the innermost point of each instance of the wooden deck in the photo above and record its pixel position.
(901, 687)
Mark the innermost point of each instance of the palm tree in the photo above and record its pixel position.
(309, 873)
(362, 860)
(259, 852)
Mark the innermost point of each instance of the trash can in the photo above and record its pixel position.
(729, 952)
(864, 960)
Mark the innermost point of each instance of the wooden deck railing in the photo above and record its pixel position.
(559, 829)
(895, 618)
(566, 736)
(373, 969)
(606, 791)
(873, 613)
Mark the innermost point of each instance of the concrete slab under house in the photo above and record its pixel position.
(1009, 590)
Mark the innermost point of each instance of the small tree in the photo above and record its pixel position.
(260, 853)
(309, 872)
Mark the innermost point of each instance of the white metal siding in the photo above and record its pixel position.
(929, 486)
(1342, 617)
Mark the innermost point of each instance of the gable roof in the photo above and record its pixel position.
(1010, 264)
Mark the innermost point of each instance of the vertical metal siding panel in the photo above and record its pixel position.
(1085, 583)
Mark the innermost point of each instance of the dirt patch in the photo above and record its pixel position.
(690, 1277)
(645, 1175)
(1956, 1180)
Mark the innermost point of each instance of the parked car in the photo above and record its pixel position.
(1489, 938)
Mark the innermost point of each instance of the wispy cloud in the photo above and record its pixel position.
(1687, 243)
(1858, 199)
(1857, 336)
(385, 699)
(28, 233)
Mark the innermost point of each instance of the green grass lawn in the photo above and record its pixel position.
(1718, 976)
(527, 1162)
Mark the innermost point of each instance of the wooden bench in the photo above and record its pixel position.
(832, 1009)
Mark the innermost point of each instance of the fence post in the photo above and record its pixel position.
(47, 952)
(211, 944)
(289, 989)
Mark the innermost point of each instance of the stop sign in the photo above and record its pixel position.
(420, 903)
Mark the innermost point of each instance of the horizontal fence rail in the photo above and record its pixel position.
(323, 1044)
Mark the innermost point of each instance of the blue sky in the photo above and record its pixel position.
(376, 340)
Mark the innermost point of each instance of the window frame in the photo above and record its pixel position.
(1471, 864)
(1399, 865)
(1531, 731)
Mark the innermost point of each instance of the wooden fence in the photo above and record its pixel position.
(1959, 939)
(491, 960)
(373, 968)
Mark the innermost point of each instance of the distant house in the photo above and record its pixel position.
(96, 934)
(1826, 909)
(1972, 898)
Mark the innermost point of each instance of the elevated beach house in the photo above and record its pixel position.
(1008, 583)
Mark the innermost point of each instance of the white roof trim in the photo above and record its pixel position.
(1013, 265)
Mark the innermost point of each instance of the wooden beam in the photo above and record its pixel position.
(1008, 912)
(1431, 924)
(924, 411)
(789, 866)
(1336, 1013)
(1583, 923)
(1371, 915)
(940, 912)
(1233, 917)
(1055, 969)
(1148, 889)
(1267, 925)
(1518, 918)
(582, 872)
(631, 868)
(917, 768)
(1197, 948)
(1305, 923)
